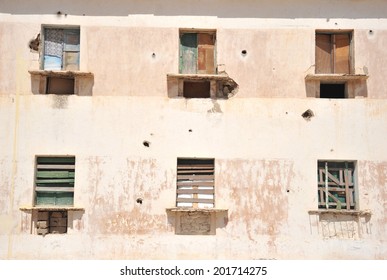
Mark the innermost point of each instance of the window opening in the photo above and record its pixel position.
(332, 90)
(195, 183)
(336, 185)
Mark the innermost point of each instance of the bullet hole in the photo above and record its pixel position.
(146, 144)
(335, 23)
(34, 43)
(139, 200)
(153, 55)
(370, 32)
(332, 150)
(307, 115)
(286, 113)
(244, 52)
(189, 130)
(58, 13)
(287, 191)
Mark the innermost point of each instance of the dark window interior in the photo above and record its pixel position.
(332, 91)
(60, 85)
(196, 89)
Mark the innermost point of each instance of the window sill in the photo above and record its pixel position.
(341, 212)
(51, 208)
(189, 209)
(336, 77)
(61, 74)
(201, 77)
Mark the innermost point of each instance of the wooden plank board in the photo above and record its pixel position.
(54, 189)
(49, 181)
(195, 171)
(57, 160)
(55, 174)
(190, 183)
(56, 166)
(195, 200)
(323, 54)
(347, 197)
(195, 177)
(342, 59)
(196, 166)
(194, 191)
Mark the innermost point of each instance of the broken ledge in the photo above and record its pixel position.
(60, 73)
(341, 212)
(335, 77)
(201, 77)
(189, 209)
(51, 208)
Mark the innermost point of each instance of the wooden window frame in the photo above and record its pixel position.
(340, 186)
(195, 177)
(65, 53)
(333, 39)
(201, 53)
(54, 178)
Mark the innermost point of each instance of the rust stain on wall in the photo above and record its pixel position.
(115, 194)
(258, 197)
(373, 179)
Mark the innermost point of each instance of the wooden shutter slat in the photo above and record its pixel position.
(195, 200)
(195, 191)
(54, 189)
(192, 183)
(195, 177)
(55, 174)
(55, 166)
(46, 181)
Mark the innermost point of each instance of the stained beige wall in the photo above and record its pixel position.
(265, 152)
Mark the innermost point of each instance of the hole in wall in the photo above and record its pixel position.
(153, 55)
(139, 200)
(308, 114)
(146, 144)
(244, 52)
(189, 130)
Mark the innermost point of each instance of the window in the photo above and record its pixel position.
(197, 53)
(57, 85)
(336, 185)
(196, 89)
(195, 183)
(61, 49)
(54, 182)
(333, 90)
(333, 53)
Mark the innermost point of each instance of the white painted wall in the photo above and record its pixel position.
(265, 152)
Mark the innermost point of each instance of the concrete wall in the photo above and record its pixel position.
(265, 152)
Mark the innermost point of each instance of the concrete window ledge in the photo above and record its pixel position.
(221, 86)
(196, 221)
(51, 208)
(189, 209)
(81, 83)
(340, 212)
(335, 77)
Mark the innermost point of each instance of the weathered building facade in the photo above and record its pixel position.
(193, 130)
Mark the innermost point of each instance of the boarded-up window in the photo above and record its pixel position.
(333, 53)
(336, 185)
(51, 222)
(197, 53)
(61, 49)
(54, 182)
(195, 183)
